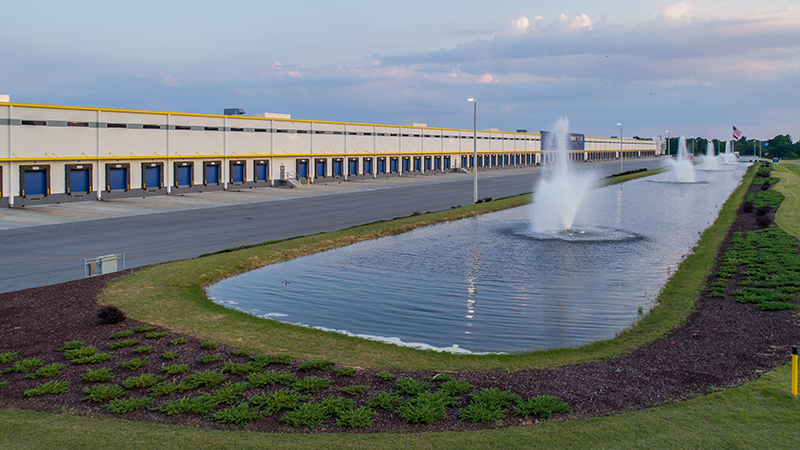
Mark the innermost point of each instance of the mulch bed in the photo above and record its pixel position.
(723, 344)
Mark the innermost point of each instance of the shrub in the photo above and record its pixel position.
(97, 376)
(111, 314)
(121, 334)
(179, 341)
(242, 368)
(3, 384)
(143, 349)
(197, 405)
(209, 345)
(278, 400)
(482, 412)
(455, 387)
(306, 415)
(156, 335)
(424, 408)
(143, 380)
(144, 328)
(79, 352)
(122, 406)
(410, 387)
(494, 396)
(207, 378)
(266, 360)
(135, 364)
(47, 371)
(316, 364)
(240, 352)
(210, 359)
(103, 392)
(176, 369)
(312, 384)
(123, 344)
(25, 365)
(386, 401)
(271, 378)
(71, 345)
(439, 377)
(8, 357)
(170, 355)
(359, 418)
(51, 387)
(355, 389)
(167, 388)
(344, 371)
(239, 415)
(543, 407)
(385, 376)
(94, 359)
(336, 406)
(229, 392)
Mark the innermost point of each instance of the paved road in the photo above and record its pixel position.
(36, 255)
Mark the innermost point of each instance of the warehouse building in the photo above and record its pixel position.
(54, 154)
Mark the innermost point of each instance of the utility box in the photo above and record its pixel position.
(103, 265)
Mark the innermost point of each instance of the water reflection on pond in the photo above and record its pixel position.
(489, 284)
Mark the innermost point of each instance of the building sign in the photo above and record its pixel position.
(575, 141)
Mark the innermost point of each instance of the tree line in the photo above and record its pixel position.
(780, 146)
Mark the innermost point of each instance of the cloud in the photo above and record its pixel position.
(168, 80)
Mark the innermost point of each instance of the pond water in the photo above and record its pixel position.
(490, 284)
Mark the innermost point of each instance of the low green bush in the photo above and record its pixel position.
(176, 369)
(543, 407)
(179, 341)
(308, 415)
(425, 408)
(170, 355)
(271, 378)
(239, 415)
(143, 380)
(209, 345)
(103, 392)
(50, 370)
(71, 345)
(144, 328)
(122, 406)
(52, 387)
(316, 364)
(144, 349)
(358, 418)
(355, 389)
(199, 379)
(455, 387)
(385, 401)
(196, 405)
(25, 365)
(123, 344)
(344, 371)
(228, 392)
(482, 412)
(156, 335)
(135, 364)
(8, 357)
(410, 386)
(97, 376)
(122, 334)
(312, 384)
(385, 376)
(278, 400)
(210, 359)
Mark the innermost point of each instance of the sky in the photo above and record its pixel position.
(693, 68)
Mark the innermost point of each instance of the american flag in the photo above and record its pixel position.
(737, 133)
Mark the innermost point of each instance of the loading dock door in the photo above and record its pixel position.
(302, 169)
(437, 162)
(237, 172)
(417, 164)
(382, 165)
(428, 163)
(211, 173)
(337, 167)
(353, 169)
(117, 177)
(447, 162)
(394, 165)
(183, 175)
(153, 178)
(368, 166)
(406, 165)
(34, 181)
(320, 172)
(464, 161)
(261, 171)
(79, 181)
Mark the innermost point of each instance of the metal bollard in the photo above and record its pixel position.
(794, 370)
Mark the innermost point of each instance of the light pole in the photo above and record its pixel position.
(620, 148)
(668, 149)
(474, 150)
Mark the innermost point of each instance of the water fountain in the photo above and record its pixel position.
(729, 157)
(559, 195)
(682, 166)
(709, 159)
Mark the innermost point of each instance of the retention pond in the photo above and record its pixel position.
(490, 284)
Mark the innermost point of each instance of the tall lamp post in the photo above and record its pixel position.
(620, 148)
(474, 150)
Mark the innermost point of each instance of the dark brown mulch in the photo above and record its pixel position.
(723, 344)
